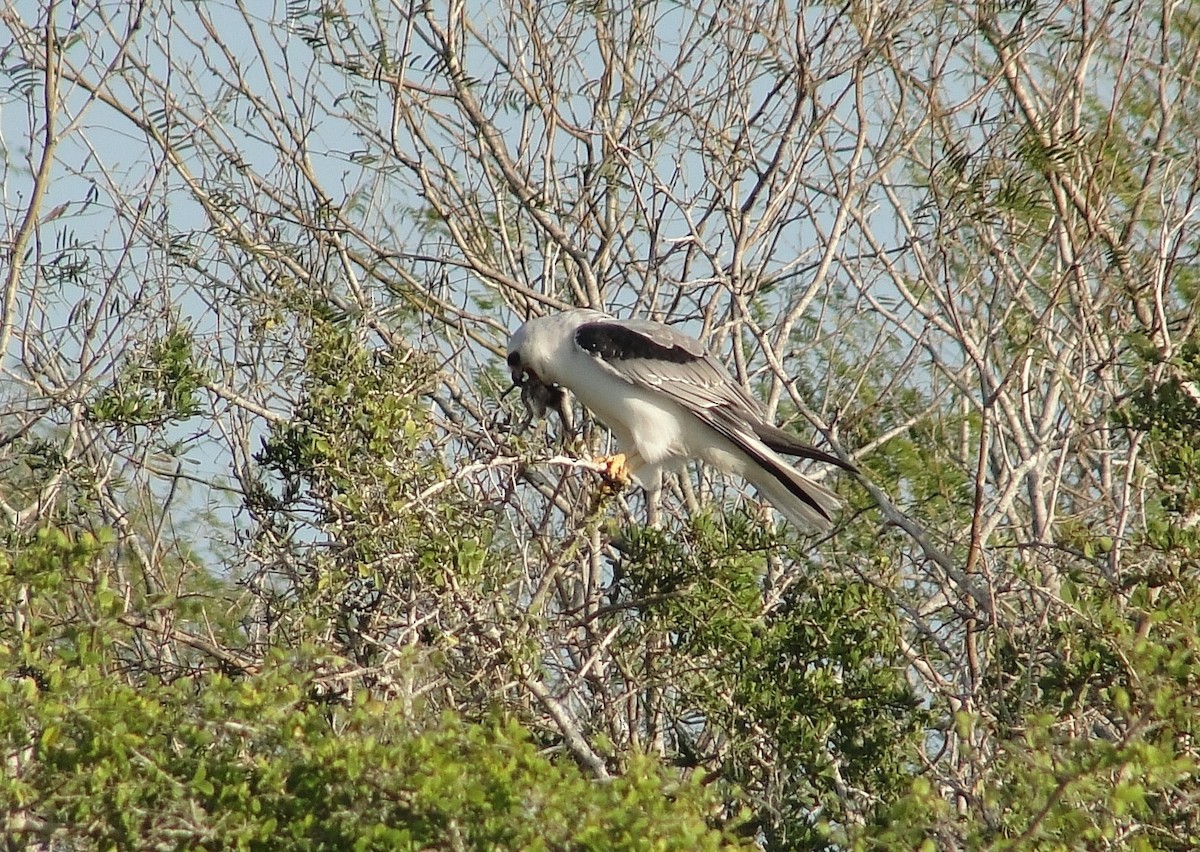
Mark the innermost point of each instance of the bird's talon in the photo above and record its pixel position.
(614, 469)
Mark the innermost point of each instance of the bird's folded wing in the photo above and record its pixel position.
(657, 358)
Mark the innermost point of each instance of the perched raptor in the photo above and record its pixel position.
(666, 400)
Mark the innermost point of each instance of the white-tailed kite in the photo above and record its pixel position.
(666, 400)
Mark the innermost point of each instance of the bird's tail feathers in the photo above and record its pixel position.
(802, 501)
(785, 443)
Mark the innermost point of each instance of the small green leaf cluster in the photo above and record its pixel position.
(1167, 409)
(356, 413)
(154, 387)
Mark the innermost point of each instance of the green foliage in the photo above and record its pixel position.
(257, 764)
(1168, 411)
(356, 417)
(270, 759)
(153, 387)
(355, 447)
(354, 464)
(1094, 744)
(807, 691)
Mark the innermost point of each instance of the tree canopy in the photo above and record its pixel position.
(284, 567)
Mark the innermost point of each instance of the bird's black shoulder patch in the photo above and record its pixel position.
(614, 341)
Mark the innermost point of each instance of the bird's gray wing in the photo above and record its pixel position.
(659, 358)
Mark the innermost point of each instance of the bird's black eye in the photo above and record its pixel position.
(514, 359)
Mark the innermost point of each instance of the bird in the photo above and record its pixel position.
(666, 400)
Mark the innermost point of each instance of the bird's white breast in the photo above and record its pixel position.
(648, 423)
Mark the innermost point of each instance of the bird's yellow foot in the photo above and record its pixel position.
(614, 469)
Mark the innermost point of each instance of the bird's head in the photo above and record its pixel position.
(535, 351)
(538, 349)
